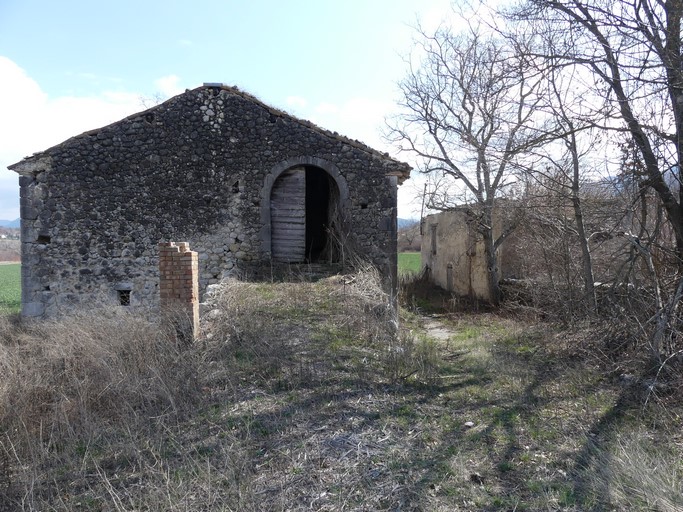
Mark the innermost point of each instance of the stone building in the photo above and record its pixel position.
(248, 186)
(453, 251)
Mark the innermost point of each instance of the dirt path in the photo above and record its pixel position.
(436, 329)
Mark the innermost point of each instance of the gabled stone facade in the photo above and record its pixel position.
(200, 167)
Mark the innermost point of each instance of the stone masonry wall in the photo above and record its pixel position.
(453, 251)
(194, 168)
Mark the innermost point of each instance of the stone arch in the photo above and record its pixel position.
(331, 170)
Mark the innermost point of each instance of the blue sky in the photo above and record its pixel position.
(72, 65)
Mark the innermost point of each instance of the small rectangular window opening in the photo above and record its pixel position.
(43, 239)
(124, 297)
(433, 234)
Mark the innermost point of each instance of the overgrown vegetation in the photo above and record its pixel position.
(305, 396)
(103, 409)
(555, 124)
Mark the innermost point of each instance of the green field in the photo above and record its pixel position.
(409, 263)
(10, 288)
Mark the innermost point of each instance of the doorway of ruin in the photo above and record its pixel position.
(305, 216)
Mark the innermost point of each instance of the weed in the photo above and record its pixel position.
(632, 472)
(410, 358)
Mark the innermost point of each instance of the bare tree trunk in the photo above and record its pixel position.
(491, 256)
(493, 275)
(587, 263)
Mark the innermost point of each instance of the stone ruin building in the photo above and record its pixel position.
(454, 253)
(248, 186)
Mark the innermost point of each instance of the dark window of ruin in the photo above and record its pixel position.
(433, 233)
(364, 206)
(124, 297)
(43, 239)
(236, 187)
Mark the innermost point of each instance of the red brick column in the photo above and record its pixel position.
(179, 287)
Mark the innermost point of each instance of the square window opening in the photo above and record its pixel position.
(124, 297)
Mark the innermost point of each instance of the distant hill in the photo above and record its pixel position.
(10, 223)
(406, 223)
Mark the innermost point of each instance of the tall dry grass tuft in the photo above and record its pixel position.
(67, 379)
(248, 329)
(636, 474)
(104, 409)
(415, 288)
(271, 328)
(366, 307)
(402, 355)
(411, 357)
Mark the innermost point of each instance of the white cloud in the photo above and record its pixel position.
(31, 121)
(296, 101)
(326, 108)
(169, 85)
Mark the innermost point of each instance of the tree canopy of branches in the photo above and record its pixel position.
(469, 114)
(534, 93)
(632, 49)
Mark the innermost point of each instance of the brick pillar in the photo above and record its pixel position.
(179, 287)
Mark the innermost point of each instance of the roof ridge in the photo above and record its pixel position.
(403, 172)
(305, 122)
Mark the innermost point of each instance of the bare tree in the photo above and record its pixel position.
(565, 157)
(633, 49)
(470, 113)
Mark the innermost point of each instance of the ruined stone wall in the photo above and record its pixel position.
(454, 252)
(95, 207)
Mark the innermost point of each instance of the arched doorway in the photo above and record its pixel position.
(305, 216)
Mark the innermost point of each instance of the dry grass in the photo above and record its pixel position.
(634, 473)
(70, 377)
(303, 396)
